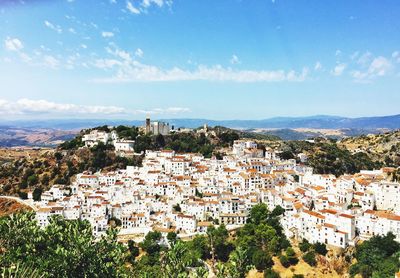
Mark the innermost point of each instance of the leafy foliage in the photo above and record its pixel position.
(62, 249)
(309, 258)
(377, 257)
(328, 157)
(320, 248)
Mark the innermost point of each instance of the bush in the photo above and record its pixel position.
(309, 258)
(284, 261)
(291, 256)
(133, 249)
(269, 273)
(261, 260)
(23, 195)
(37, 194)
(320, 248)
(304, 246)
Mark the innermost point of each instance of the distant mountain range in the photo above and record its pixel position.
(52, 132)
(313, 122)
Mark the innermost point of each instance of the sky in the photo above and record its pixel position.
(215, 59)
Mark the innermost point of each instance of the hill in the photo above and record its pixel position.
(384, 148)
(8, 207)
(11, 136)
(23, 170)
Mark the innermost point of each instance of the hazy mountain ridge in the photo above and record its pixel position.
(51, 132)
(317, 122)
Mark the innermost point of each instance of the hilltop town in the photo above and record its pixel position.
(186, 193)
(153, 183)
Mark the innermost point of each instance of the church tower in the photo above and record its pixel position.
(147, 124)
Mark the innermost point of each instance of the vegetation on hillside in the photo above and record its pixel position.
(327, 157)
(377, 257)
(66, 248)
(62, 249)
(384, 148)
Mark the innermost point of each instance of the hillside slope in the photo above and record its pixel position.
(381, 147)
(37, 170)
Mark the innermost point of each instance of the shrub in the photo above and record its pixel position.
(291, 256)
(269, 273)
(320, 248)
(284, 261)
(304, 246)
(261, 260)
(309, 258)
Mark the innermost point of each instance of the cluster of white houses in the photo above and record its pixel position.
(122, 146)
(186, 193)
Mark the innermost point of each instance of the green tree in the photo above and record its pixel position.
(172, 237)
(304, 246)
(61, 249)
(200, 243)
(262, 260)
(284, 260)
(239, 263)
(309, 258)
(320, 248)
(133, 250)
(259, 214)
(269, 273)
(150, 244)
(36, 194)
(377, 257)
(291, 256)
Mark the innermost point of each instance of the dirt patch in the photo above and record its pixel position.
(8, 207)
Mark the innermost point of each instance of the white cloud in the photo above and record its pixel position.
(234, 60)
(339, 69)
(138, 72)
(354, 55)
(72, 30)
(28, 106)
(365, 59)
(131, 8)
(396, 56)
(338, 52)
(126, 68)
(139, 53)
(379, 66)
(169, 110)
(106, 63)
(13, 44)
(159, 3)
(53, 27)
(145, 4)
(32, 108)
(50, 61)
(318, 66)
(25, 57)
(106, 34)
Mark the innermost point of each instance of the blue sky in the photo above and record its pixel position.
(218, 59)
